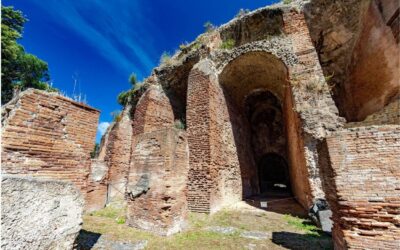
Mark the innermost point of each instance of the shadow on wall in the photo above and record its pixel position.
(314, 240)
(86, 240)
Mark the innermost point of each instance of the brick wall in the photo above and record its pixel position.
(49, 136)
(118, 156)
(153, 111)
(315, 114)
(362, 185)
(157, 181)
(198, 123)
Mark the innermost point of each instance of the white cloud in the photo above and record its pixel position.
(102, 128)
(108, 27)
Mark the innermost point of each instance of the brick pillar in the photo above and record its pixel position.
(199, 123)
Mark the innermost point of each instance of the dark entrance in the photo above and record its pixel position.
(273, 174)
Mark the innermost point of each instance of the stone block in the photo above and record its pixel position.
(39, 214)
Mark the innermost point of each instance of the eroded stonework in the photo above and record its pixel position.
(49, 136)
(39, 214)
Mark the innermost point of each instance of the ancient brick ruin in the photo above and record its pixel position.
(48, 136)
(305, 104)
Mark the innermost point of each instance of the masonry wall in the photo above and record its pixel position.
(156, 192)
(153, 111)
(362, 185)
(298, 172)
(373, 73)
(118, 156)
(48, 136)
(314, 113)
(390, 114)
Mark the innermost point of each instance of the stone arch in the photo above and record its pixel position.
(255, 88)
(222, 168)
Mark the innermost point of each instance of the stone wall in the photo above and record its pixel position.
(361, 176)
(49, 136)
(156, 192)
(390, 114)
(39, 214)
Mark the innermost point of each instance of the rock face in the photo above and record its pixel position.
(39, 214)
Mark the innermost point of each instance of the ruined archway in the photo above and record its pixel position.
(254, 86)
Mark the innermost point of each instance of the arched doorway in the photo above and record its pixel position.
(273, 174)
(255, 88)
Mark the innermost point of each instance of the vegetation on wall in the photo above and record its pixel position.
(95, 151)
(123, 97)
(19, 70)
(228, 44)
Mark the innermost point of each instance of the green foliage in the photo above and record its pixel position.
(132, 79)
(120, 220)
(95, 151)
(208, 26)
(301, 224)
(165, 58)
(19, 69)
(287, 1)
(123, 97)
(228, 44)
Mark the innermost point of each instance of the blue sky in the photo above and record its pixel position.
(99, 42)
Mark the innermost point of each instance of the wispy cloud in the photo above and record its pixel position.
(102, 127)
(116, 29)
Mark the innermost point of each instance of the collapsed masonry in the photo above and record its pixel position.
(305, 102)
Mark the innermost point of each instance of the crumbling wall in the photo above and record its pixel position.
(361, 176)
(156, 192)
(49, 136)
(390, 114)
(153, 111)
(356, 43)
(374, 76)
(118, 156)
(315, 108)
(39, 214)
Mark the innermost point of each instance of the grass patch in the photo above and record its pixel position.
(108, 221)
(299, 223)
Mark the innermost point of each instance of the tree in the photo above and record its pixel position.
(19, 69)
